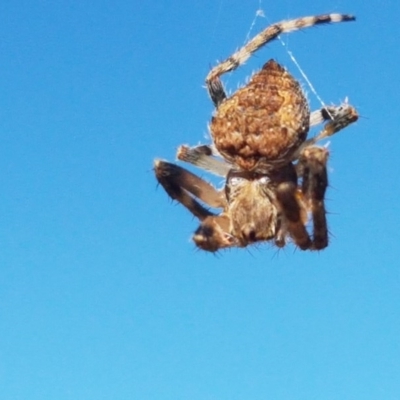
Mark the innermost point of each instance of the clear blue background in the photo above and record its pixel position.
(102, 294)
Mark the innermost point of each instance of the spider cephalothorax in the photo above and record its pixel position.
(275, 178)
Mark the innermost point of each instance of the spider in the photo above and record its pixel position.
(275, 178)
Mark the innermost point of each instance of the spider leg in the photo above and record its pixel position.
(185, 187)
(312, 165)
(216, 91)
(213, 83)
(203, 157)
(315, 182)
(212, 234)
(338, 117)
(294, 214)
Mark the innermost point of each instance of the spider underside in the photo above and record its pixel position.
(275, 178)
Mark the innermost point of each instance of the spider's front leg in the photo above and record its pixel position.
(212, 234)
(313, 161)
(185, 187)
(294, 215)
(312, 165)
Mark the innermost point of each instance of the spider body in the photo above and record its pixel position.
(275, 178)
(263, 122)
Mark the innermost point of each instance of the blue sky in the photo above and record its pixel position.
(102, 294)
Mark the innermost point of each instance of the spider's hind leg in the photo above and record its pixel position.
(216, 91)
(313, 162)
(239, 57)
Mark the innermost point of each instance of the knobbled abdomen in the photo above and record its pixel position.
(263, 122)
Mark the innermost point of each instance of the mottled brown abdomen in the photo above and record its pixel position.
(263, 122)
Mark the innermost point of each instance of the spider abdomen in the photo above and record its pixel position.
(263, 122)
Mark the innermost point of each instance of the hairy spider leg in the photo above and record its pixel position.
(213, 82)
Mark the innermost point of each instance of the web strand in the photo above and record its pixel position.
(305, 77)
(260, 13)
